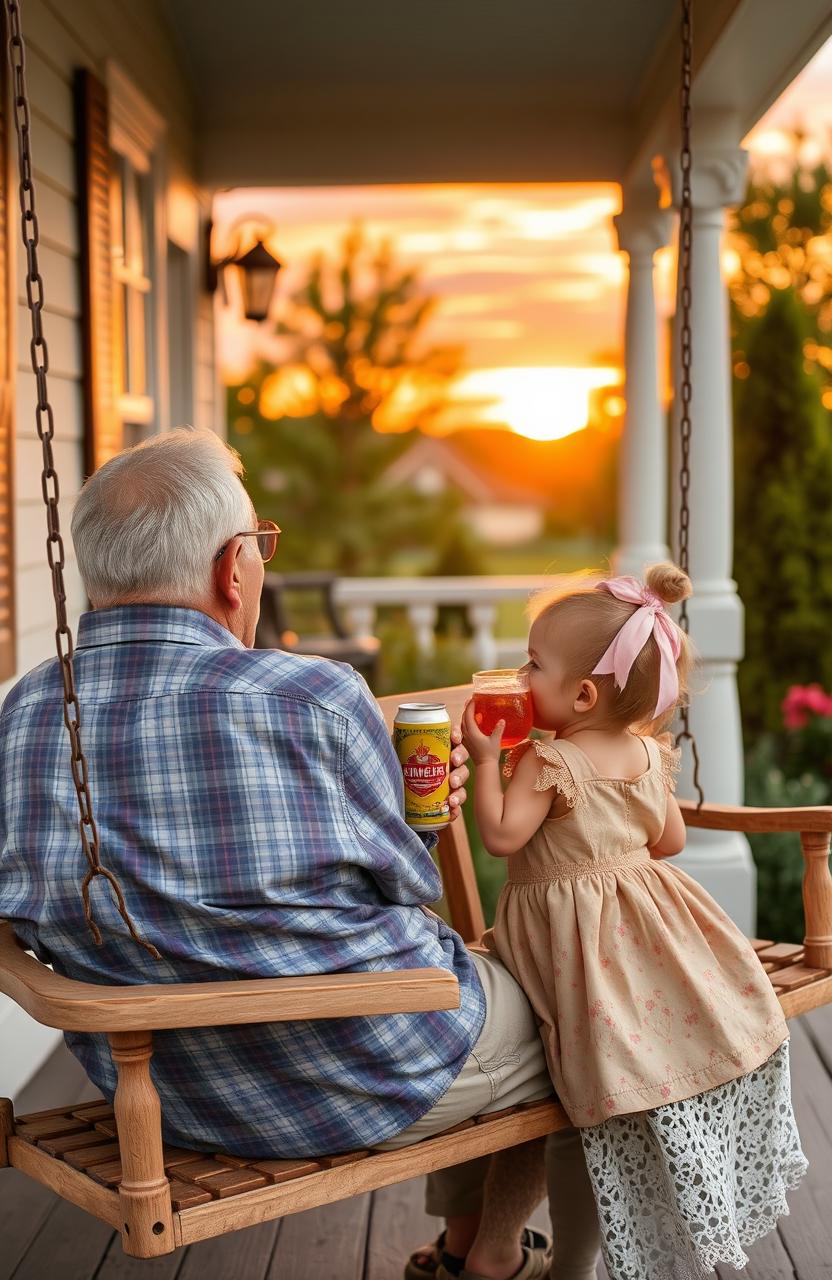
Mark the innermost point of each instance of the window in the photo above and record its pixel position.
(132, 224)
(120, 155)
(136, 138)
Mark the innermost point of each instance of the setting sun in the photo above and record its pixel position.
(541, 403)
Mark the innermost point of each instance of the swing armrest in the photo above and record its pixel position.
(814, 826)
(84, 1006)
(729, 817)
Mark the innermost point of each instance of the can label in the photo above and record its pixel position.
(424, 752)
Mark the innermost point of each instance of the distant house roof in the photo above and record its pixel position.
(491, 464)
(472, 464)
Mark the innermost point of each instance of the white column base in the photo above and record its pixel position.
(721, 862)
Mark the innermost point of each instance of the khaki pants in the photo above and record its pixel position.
(507, 1067)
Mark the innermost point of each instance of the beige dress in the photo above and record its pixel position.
(648, 996)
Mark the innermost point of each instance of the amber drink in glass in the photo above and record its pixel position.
(503, 695)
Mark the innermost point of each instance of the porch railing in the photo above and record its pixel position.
(480, 596)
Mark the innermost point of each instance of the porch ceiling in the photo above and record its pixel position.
(293, 91)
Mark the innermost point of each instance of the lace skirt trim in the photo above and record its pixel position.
(685, 1187)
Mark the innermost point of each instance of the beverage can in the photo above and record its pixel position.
(422, 738)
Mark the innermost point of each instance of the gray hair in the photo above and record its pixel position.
(149, 522)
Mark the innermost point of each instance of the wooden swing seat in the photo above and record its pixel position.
(111, 1160)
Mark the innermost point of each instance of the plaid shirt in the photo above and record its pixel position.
(250, 803)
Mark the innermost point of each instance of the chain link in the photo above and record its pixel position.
(50, 488)
(686, 349)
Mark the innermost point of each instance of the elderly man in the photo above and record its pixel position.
(250, 804)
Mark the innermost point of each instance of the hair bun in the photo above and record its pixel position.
(668, 582)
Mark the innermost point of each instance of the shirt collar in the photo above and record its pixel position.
(135, 623)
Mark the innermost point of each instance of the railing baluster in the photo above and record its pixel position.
(362, 620)
(423, 620)
(483, 618)
(480, 595)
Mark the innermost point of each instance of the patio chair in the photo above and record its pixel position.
(277, 629)
(111, 1160)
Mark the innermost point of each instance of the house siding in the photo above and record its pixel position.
(62, 36)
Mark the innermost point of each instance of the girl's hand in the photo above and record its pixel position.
(480, 746)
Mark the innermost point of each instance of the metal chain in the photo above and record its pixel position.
(686, 350)
(50, 488)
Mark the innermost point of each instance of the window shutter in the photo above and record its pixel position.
(102, 429)
(7, 588)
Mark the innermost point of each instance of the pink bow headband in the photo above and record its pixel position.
(651, 618)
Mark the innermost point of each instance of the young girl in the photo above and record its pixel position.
(665, 1041)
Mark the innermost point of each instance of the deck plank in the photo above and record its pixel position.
(818, 1026)
(118, 1266)
(327, 1242)
(71, 1244)
(246, 1254)
(397, 1225)
(24, 1208)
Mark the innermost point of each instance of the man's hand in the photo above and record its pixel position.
(480, 746)
(459, 773)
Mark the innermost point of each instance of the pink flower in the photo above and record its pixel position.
(665, 1091)
(605, 962)
(818, 700)
(650, 1004)
(691, 1019)
(800, 701)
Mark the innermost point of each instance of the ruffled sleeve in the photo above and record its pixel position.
(514, 756)
(670, 761)
(554, 772)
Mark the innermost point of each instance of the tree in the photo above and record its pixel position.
(782, 238)
(783, 485)
(320, 432)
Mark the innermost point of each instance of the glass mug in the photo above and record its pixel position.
(503, 695)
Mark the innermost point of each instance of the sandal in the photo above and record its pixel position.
(535, 1266)
(537, 1259)
(449, 1262)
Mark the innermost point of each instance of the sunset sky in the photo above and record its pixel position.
(528, 276)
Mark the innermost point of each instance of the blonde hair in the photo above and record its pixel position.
(584, 621)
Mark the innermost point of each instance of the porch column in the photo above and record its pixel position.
(642, 229)
(720, 861)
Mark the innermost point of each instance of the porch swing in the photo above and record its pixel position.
(111, 1160)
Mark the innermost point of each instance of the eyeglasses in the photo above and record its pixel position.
(267, 534)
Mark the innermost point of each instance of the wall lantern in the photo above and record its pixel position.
(256, 270)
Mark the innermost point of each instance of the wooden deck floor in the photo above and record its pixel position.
(367, 1238)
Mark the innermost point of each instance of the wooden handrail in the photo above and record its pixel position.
(814, 826)
(84, 1006)
(729, 817)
